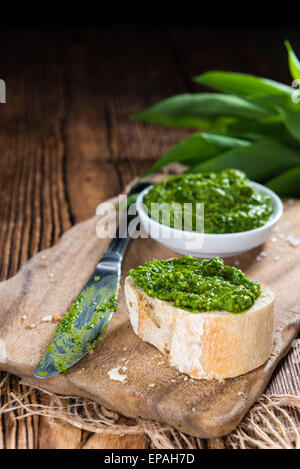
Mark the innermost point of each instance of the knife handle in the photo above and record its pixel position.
(119, 244)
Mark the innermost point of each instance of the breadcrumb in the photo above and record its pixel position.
(294, 242)
(56, 318)
(115, 375)
(30, 325)
(47, 319)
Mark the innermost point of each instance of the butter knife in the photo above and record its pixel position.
(88, 317)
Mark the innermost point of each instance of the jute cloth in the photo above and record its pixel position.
(272, 423)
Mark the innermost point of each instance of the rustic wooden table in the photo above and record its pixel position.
(67, 143)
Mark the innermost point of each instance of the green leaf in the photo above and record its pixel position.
(261, 161)
(196, 148)
(242, 84)
(224, 141)
(287, 183)
(263, 129)
(197, 110)
(288, 110)
(290, 113)
(294, 62)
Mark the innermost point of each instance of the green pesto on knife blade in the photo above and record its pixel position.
(82, 327)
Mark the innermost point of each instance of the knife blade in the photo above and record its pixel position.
(88, 317)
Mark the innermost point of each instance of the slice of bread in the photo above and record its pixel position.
(208, 345)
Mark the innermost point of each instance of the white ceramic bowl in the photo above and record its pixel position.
(209, 245)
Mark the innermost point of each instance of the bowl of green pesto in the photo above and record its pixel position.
(209, 214)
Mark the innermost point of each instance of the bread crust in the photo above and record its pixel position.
(208, 345)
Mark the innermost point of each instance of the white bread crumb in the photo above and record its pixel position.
(115, 375)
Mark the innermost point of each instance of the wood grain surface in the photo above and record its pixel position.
(51, 280)
(66, 144)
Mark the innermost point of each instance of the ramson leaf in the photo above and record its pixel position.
(294, 62)
(200, 110)
(242, 84)
(263, 129)
(287, 183)
(291, 115)
(288, 110)
(196, 148)
(261, 161)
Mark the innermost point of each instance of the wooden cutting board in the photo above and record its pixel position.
(49, 282)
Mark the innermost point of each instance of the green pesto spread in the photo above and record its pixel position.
(68, 323)
(231, 204)
(197, 285)
(73, 340)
